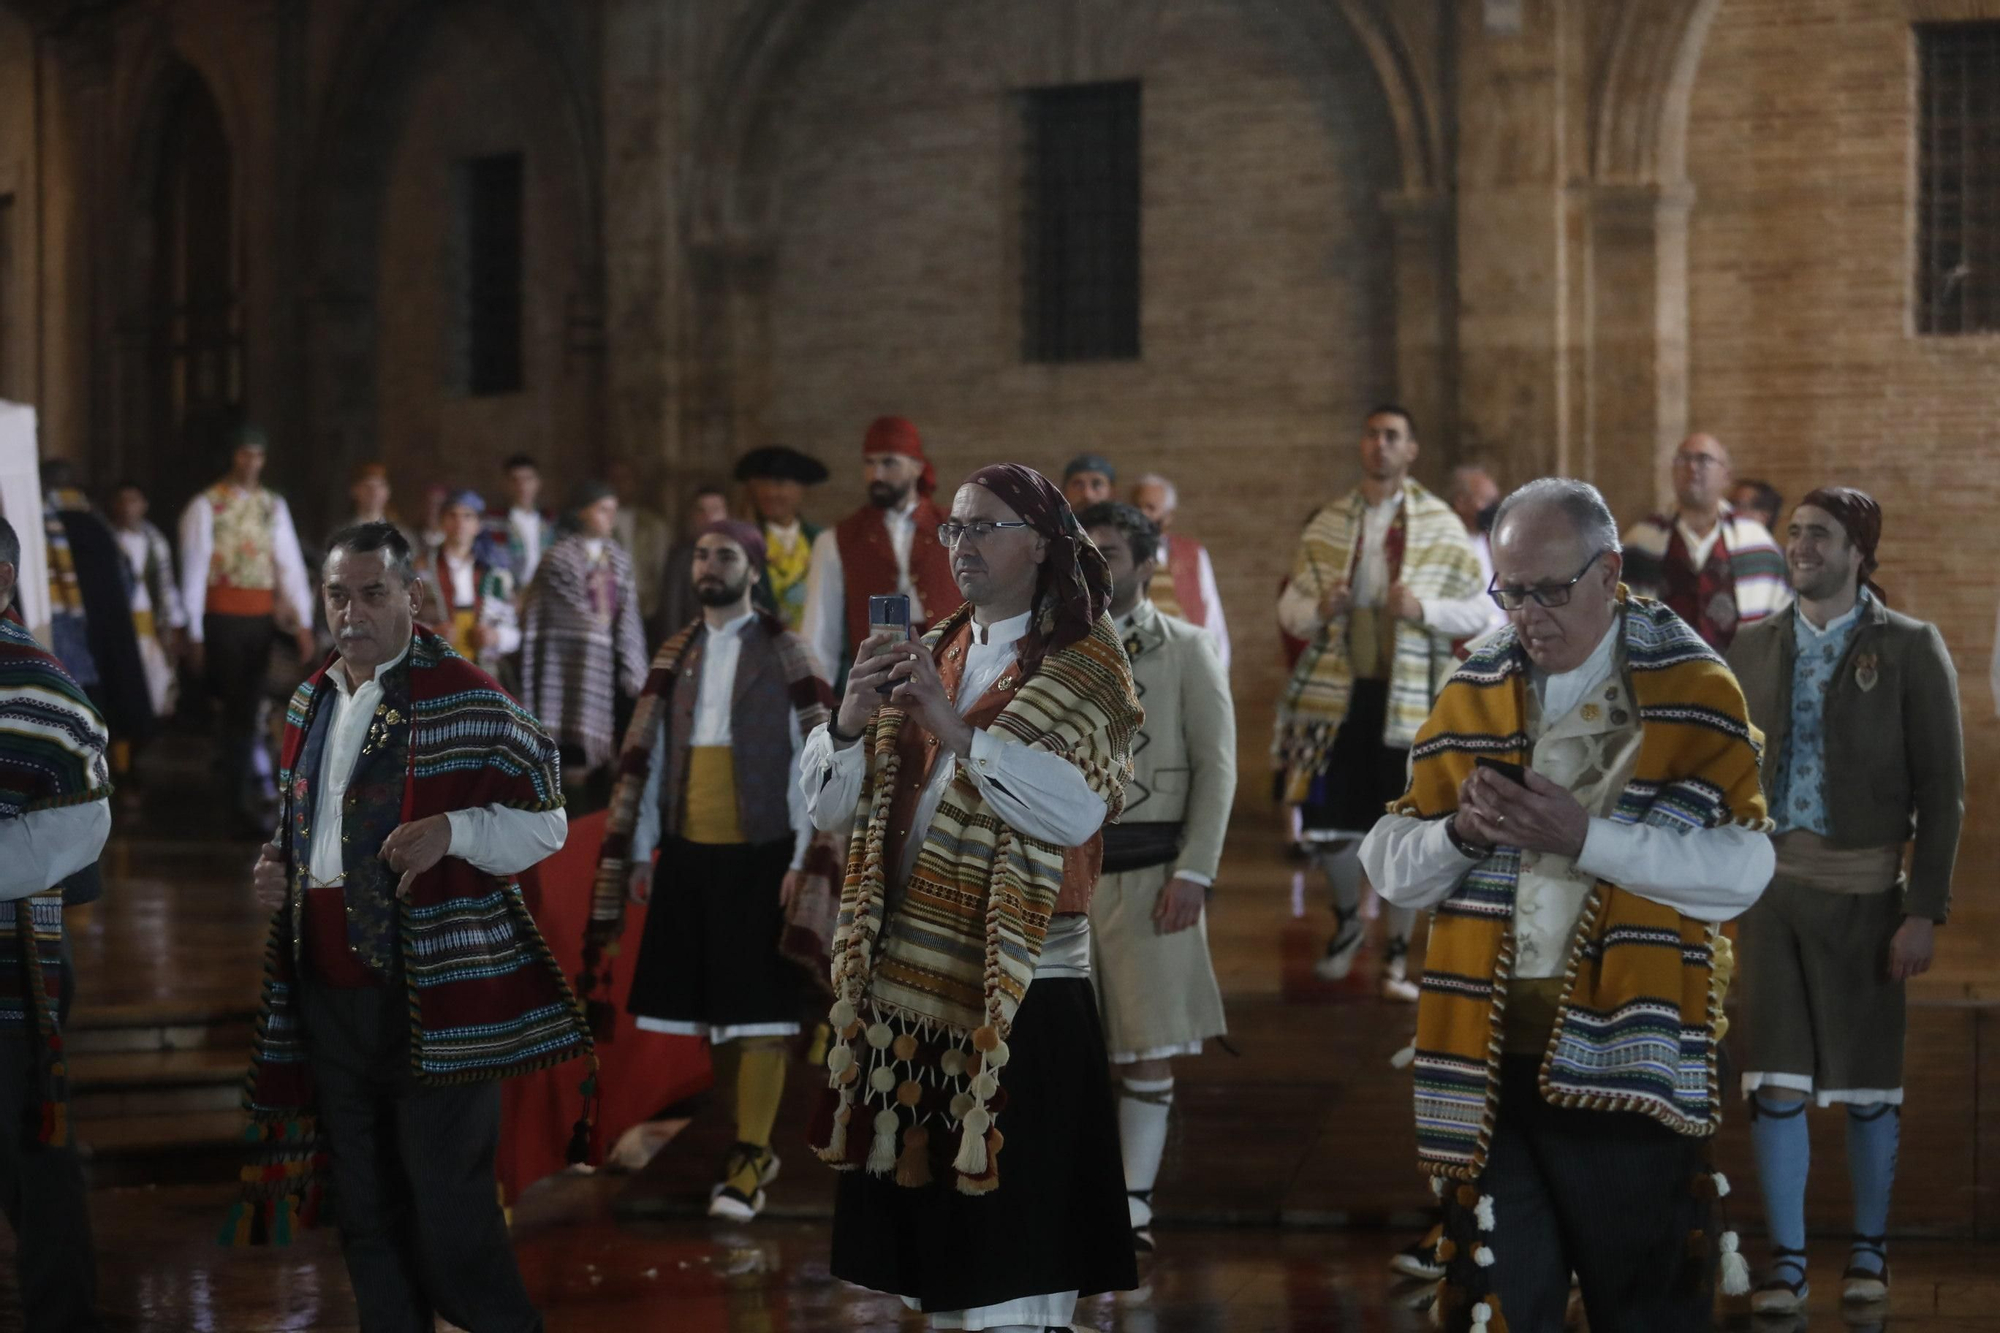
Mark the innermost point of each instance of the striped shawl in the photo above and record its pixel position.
(573, 660)
(1756, 565)
(1636, 1030)
(925, 999)
(1438, 562)
(810, 698)
(486, 998)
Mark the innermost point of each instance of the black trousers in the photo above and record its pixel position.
(237, 651)
(41, 1191)
(1606, 1194)
(412, 1175)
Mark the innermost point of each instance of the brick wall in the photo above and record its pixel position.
(1266, 300)
(1803, 359)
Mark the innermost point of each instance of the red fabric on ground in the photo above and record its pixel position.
(639, 1072)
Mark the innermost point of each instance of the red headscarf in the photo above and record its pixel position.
(743, 534)
(1075, 583)
(895, 435)
(1858, 512)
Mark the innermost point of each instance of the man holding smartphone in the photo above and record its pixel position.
(1566, 1033)
(964, 1018)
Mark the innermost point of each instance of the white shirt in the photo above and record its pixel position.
(497, 839)
(1708, 874)
(198, 548)
(722, 650)
(1698, 547)
(1035, 792)
(1467, 617)
(527, 526)
(41, 849)
(1371, 570)
(824, 627)
(464, 591)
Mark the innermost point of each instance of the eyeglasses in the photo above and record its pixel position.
(1694, 462)
(1549, 595)
(952, 533)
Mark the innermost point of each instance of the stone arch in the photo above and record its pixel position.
(1639, 101)
(357, 130)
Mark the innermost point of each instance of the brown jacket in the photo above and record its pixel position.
(1894, 752)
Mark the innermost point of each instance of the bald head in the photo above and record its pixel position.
(1473, 491)
(1701, 476)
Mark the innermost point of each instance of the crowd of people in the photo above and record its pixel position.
(957, 859)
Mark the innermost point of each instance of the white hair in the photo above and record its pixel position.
(1155, 479)
(1578, 501)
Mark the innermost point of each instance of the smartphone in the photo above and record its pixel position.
(1506, 768)
(889, 615)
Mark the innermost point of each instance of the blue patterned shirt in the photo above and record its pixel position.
(1799, 793)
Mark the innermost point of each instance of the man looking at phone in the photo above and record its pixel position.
(1377, 590)
(977, 788)
(1149, 961)
(1566, 1036)
(1864, 755)
(889, 545)
(706, 777)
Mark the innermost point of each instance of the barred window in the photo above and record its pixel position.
(1958, 177)
(1080, 230)
(486, 333)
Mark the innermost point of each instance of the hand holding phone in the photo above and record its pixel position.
(890, 615)
(1505, 768)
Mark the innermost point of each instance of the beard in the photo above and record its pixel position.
(714, 592)
(884, 496)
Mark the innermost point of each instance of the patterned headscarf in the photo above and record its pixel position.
(1075, 583)
(744, 535)
(1858, 512)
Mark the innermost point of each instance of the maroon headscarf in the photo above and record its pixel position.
(744, 535)
(1075, 583)
(1858, 512)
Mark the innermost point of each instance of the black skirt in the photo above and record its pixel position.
(1362, 775)
(710, 956)
(1058, 1221)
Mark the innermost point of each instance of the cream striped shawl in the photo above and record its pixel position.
(925, 997)
(1438, 562)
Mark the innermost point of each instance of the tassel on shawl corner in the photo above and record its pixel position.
(882, 1151)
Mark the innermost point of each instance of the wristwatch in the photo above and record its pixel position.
(1471, 851)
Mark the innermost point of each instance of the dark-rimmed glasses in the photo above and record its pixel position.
(1550, 595)
(952, 533)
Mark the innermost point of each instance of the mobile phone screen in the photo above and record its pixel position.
(889, 614)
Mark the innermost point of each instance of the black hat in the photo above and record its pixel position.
(783, 463)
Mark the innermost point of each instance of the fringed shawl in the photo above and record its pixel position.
(1438, 562)
(1636, 1030)
(486, 998)
(574, 663)
(925, 999)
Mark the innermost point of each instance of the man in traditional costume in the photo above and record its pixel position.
(1716, 567)
(678, 606)
(978, 766)
(1089, 479)
(87, 579)
(1864, 756)
(1184, 576)
(1378, 589)
(889, 545)
(523, 530)
(243, 578)
(1149, 959)
(582, 646)
(406, 977)
(158, 621)
(776, 477)
(708, 777)
(469, 595)
(644, 533)
(1566, 1038)
(55, 813)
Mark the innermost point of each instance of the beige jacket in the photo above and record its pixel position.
(1184, 756)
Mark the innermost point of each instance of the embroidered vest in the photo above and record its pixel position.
(760, 739)
(242, 565)
(371, 809)
(868, 567)
(917, 757)
(1705, 597)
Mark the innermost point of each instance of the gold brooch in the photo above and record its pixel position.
(1591, 712)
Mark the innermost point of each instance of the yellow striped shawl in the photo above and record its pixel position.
(925, 1000)
(1637, 1027)
(1438, 562)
